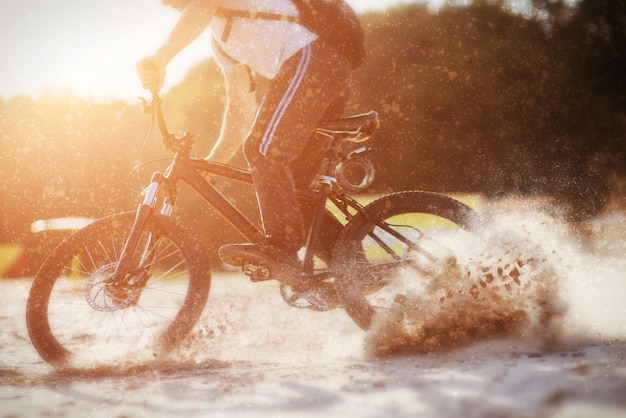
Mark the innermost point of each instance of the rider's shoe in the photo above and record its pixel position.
(262, 261)
(321, 296)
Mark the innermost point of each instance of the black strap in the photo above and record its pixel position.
(231, 14)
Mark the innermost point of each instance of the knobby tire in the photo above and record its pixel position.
(357, 254)
(72, 311)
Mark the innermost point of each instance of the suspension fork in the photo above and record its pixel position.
(144, 211)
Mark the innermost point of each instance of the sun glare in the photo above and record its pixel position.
(90, 48)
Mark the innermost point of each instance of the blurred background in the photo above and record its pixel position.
(491, 97)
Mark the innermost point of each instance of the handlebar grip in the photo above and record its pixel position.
(148, 64)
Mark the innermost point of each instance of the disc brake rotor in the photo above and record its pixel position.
(104, 296)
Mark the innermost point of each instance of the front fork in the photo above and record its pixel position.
(144, 211)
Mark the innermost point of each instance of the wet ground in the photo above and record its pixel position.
(252, 355)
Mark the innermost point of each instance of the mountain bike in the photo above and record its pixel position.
(140, 280)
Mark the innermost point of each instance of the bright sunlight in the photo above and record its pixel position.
(90, 49)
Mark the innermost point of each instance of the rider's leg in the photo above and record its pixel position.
(310, 84)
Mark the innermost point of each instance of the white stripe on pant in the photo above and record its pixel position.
(286, 100)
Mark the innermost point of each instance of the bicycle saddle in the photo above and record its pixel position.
(357, 128)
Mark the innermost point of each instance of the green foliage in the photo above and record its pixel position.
(480, 99)
(472, 99)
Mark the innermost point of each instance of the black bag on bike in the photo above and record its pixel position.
(335, 22)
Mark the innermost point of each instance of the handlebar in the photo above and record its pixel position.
(173, 143)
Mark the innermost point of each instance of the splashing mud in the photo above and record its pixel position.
(513, 287)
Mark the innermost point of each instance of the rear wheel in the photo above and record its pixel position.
(75, 312)
(396, 241)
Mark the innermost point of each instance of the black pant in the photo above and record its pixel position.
(311, 86)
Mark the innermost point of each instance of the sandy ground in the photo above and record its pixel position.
(252, 355)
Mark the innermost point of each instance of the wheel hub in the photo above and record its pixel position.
(105, 295)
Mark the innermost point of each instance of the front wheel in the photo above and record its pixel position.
(400, 237)
(76, 312)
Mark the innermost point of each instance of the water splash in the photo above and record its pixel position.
(510, 287)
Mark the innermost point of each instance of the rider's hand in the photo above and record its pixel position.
(151, 73)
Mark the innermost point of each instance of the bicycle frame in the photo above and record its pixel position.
(162, 264)
(187, 169)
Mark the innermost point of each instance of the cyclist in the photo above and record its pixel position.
(308, 82)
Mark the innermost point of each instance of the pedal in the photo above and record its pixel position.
(256, 273)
